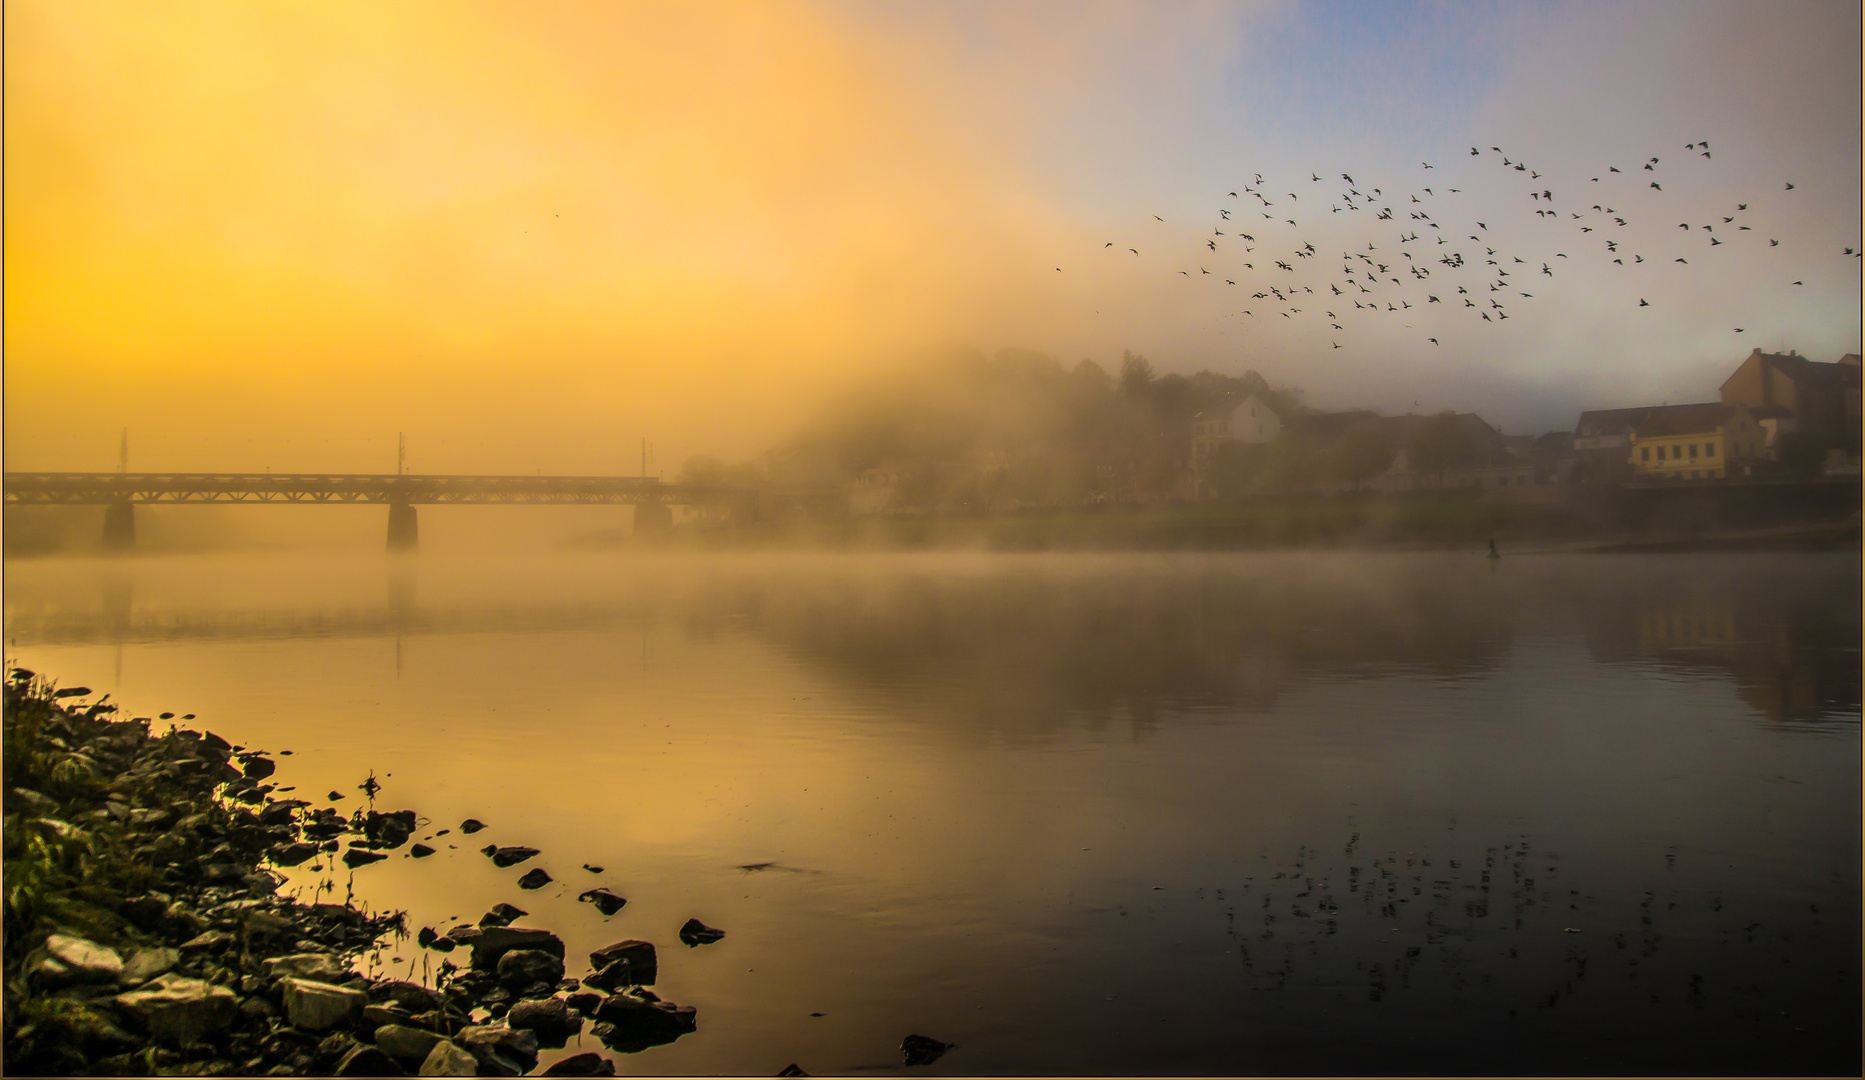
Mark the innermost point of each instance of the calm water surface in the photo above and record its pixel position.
(1132, 814)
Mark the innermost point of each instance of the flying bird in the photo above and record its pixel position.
(1738, 330)
(1654, 184)
(1433, 341)
(1790, 187)
(1644, 303)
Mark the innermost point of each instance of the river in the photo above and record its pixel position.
(1259, 813)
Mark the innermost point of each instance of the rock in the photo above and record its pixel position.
(367, 1061)
(502, 915)
(592, 869)
(522, 967)
(639, 1020)
(920, 1050)
(583, 1001)
(447, 1059)
(146, 964)
(471, 825)
(792, 1069)
(498, 1047)
(491, 942)
(606, 902)
(428, 939)
(503, 857)
(404, 1043)
(420, 851)
(179, 1010)
(696, 933)
(551, 1018)
(292, 854)
(261, 925)
(390, 829)
(638, 955)
(589, 1064)
(334, 796)
(409, 995)
(211, 939)
(358, 857)
(536, 878)
(320, 1006)
(76, 961)
(255, 767)
(319, 967)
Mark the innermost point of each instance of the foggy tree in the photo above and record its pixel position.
(1441, 444)
(1136, 374)
(1360, 455)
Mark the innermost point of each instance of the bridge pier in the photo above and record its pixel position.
(403, 532)
(120, 527)
(653, 519)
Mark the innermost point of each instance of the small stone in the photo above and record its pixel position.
(320, 967)
(639, 1020)
(606, 902)
(405, 1043)
(75, 961)
(420, 851)
(551, 1018)
(502, 915)
(921, 1050)
(358, 857)
(471, 825)
(367, 1061)
(447, 1059)
(695, 933)
(500, 1048)
(592, 869)
(503, 857)
(535, 879)
(211, 939)
(320, 1006)
(334, 796)
(638, 955)
(146, 964)
(792, 1069)
(411, 996)
(585, 1064)
(490, 943)
(522, 967)
(292, 854)
(179, 1010)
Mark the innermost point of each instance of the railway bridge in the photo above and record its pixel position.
(120, 492)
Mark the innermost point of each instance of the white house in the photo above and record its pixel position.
(1248, 419)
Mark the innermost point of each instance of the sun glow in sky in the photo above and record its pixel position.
(528, 235)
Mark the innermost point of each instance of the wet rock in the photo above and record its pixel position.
(428, 939)
(411, 996)
(334, 796)
(694, 932)
(507, 856)
(420, 851)
(367, 1061)
(551, 1018)
(588, 1064)
(281, 812)
(502, 915)
(358, 857)
(254, 767)
(320, 1006)
(638, 1020)
(146, 964)
(522, 967)
(606, 902)
(179, 1010)
(375, 1016)
(471, 825)
(390, 829)
(583, 1001)
(319, 967)
(638, 955)
(208, 940)
(536, 878)
(407, 1044)
(448, 1059)
(65, 960)
(592, 869)
(292, 854)
(491, 942)
(792, 1069)
(499, 1050)
(921, 1050)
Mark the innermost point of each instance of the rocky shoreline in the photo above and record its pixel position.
(145, 934)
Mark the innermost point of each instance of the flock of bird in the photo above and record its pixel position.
(1435, 254)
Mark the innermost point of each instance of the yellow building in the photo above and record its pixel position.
(1696, 442)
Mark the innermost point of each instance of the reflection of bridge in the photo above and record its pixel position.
(119, 492)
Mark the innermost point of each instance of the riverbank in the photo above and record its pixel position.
(146, 934)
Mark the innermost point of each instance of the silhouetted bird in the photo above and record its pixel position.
(1644, 303)
(1790, 187)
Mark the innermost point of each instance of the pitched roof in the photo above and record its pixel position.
(1227, 405)
(1685, 419)
(1596, 422)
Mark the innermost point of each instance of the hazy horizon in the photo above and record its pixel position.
(528, 238)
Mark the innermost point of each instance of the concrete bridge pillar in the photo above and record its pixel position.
(120, 527)
(403, 534)
(653, 519)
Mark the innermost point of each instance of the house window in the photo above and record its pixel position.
(1709, 450)
(1644, 453)
(1693, 451)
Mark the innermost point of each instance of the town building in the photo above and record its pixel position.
(1704, 441)
(1248, 418)
(1819, 399)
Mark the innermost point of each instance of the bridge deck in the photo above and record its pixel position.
(52, 488)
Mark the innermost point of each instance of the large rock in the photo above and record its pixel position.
(498, 1047)
(589, 1064)
(535, 878)
(492, 942)
(522, 967)
(179, 1010)
(507, 856)
(146, 964)
(447, 1059)
(922, 1050)
(319, 1006)
(637, 960)
(695, 933)
(408, 1044)
(409, 995)
(292, 854)
(551, 1018)
(66, 960)
(637, 1020)
(321, 967)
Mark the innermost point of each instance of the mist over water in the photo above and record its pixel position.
(1096, 813)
